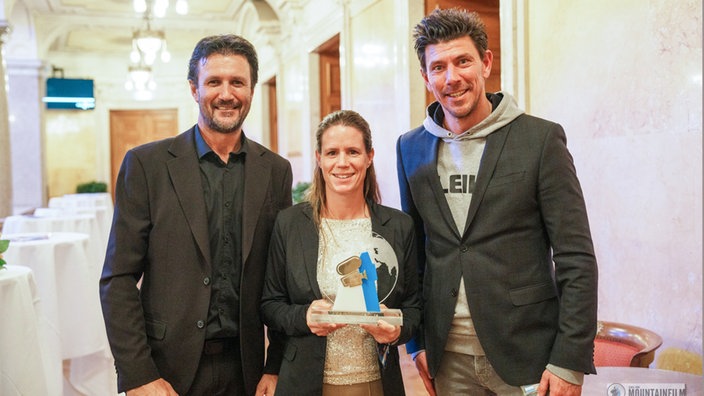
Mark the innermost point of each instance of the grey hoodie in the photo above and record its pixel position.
(459, 157)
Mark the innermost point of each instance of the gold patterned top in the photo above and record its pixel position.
(351, 355)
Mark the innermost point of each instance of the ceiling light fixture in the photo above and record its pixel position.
(147, 44)
(181, 7)
(141, 81)
(158, 8)
(139, 6)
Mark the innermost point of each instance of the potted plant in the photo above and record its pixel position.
(299, 192)
(92, 187)
(4, 244)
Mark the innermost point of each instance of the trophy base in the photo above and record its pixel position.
(391, 316)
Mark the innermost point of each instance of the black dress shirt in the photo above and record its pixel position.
(223, 189)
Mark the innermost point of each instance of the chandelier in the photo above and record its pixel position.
(158, 7)
(140, 81)
(147, 43)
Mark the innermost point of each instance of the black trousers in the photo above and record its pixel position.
(219, 370)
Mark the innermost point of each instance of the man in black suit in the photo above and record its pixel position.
(193, 219)
(510, 276)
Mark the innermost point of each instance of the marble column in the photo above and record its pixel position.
(5, 163)
(25, 78)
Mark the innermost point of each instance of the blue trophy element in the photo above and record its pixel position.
(369, 277)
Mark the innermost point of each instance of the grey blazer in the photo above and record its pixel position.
(527, 211)
(160, 234)
(291, 285)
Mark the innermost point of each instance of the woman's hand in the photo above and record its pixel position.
(383, 332)
(317, 328)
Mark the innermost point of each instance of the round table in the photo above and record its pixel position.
(101, 227)
(23, 366)
(82, 199)
(56, 221)
(68, 288)
(102, 202)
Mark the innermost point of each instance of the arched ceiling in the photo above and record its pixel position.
(105, 27)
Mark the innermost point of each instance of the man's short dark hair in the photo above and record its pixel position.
(224, 44)
(449, 24)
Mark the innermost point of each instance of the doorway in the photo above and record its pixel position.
(131, 128)
(270, 88)
(330, 81)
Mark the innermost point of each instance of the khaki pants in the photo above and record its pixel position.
(461, 374)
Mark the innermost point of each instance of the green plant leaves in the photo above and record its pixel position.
(4, 244)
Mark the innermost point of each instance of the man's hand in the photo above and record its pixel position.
(267, 385)
(557, 386)
(155, 388)
(422, 366)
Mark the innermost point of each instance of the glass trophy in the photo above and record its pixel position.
(363, 279)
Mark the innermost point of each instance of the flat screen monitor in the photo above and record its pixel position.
(69, 93)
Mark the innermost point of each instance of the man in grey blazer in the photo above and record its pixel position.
(509, 275)
(184, 270)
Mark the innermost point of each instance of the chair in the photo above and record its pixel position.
(623, 345)
(676, 359)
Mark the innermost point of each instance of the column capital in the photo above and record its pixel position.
(5, 30)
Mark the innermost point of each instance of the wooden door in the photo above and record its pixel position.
(488, 11)
(131, 128)
(330, 81)
(270, 87)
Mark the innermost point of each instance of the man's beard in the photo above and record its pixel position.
(217, 126)
(225, 128)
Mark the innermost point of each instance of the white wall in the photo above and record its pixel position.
(383, 68)
(625, 80)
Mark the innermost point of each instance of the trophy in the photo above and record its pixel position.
(357, 299)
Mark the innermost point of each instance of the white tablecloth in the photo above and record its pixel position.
(68, 288)
(87, 199)
(84, 200)
(99, 204)
(100, 229)
(23, 366)
(56, 221)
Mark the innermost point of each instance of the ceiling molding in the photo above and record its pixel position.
(106, 26)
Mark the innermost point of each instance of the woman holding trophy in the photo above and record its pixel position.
(341, 252)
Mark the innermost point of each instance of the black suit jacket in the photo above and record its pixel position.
(527, 211)
(291, 285)
(160, 234)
